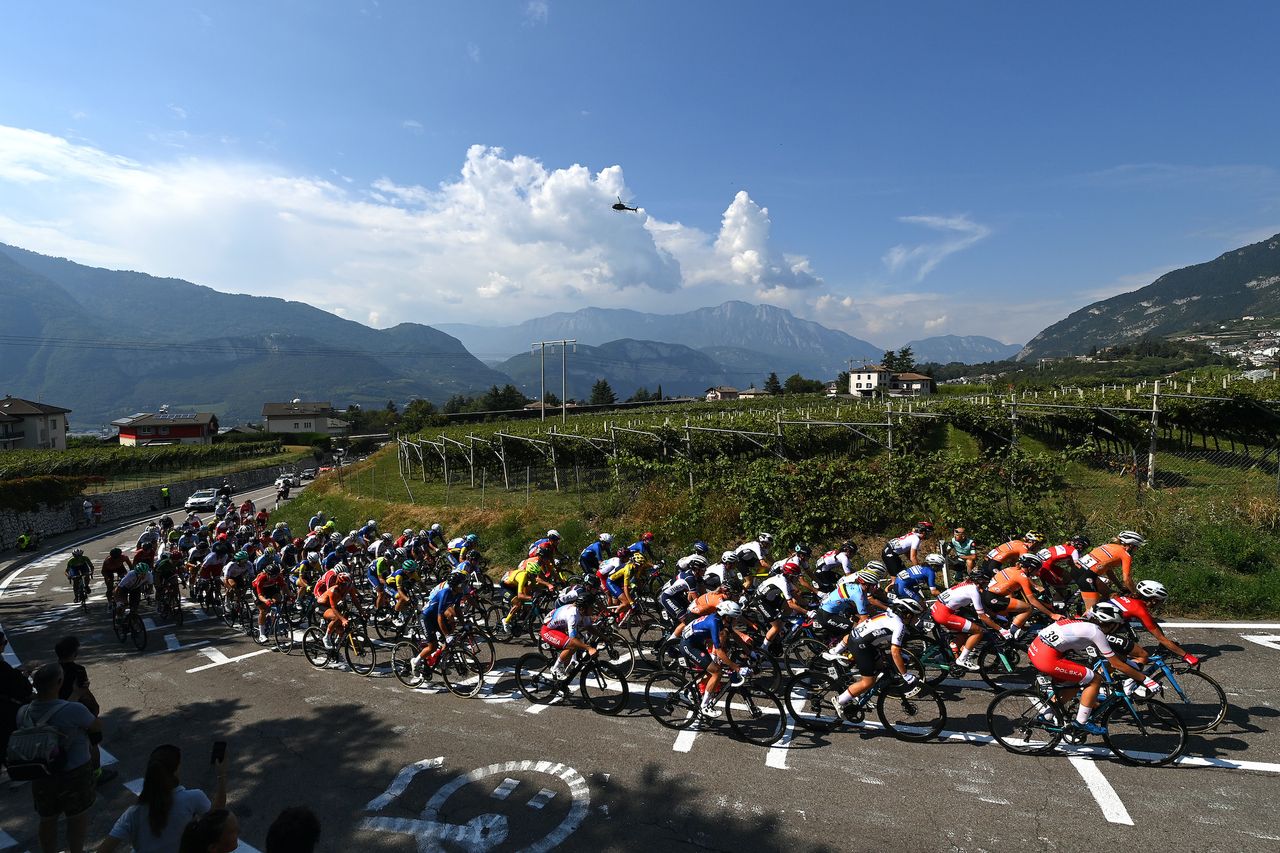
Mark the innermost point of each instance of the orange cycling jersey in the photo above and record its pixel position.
(1008, 552)
(332, 596)
(1104, 558)
(1006, 581)
(706, 603)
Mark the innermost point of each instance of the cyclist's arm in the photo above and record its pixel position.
(1031, 598)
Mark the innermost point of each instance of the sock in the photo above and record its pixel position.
(839, 648)
(844, 699)
(1082, 714)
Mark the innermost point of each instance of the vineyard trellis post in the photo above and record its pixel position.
(1155, 426)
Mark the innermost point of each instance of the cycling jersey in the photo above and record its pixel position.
(529, 571)
(328, 580)
(947, 609)
(1006, 554)
(705, 629)
(1056, 564)
(884, 630)
(837, 561)
(847, 598)
(641, 547)
(441, 599)
(544, 542)
(1136, 610)
(912, 580)
(751, 555)
(260, 565)
(1075, 635)
(234, 569)
(380, 548)
(115, 566)
(1011, 580)
(567, 619)
(367, 532)
(402, 581)
(332, 559)
(706, 603)
(776, 589)
(1104, 558)
(77, 566)
(134, 579)
(593, 555)
(905, 544)
(683, 583)
(268, 585)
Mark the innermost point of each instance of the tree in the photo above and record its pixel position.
(391, 407)
(457, 403)
(602, 394)
(642, 395)
(842, 382)
(906, 360)
(772, 385)
(797, 384)
(418, 415)
(551, 399)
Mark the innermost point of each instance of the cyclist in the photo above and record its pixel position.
(909, 582)
(950, 611)
(381, 546)
(562, 629)
(462, 549)
(405, 578)
(316, 521)
(680, 591)
(753, 557)
(149, 536)
(595, 553)
(617, 575)
(368, 531)
(439, 614)
(28, 539)
(1004, 555)
(377, 572)
(432, 540)
(1096, 573)
(268, 587)
(166, 574)
(907, 545)
(531, 570)
(79, 566)
(776, 596)
(698, 552)
(703, 646)
(1015, 583)
(644, 545)
(833, 565)
(849, 599)
(1058, 562)
(1076, 635)
(132, 585)
(233, 573)
(962, 548)
(1147, 596)
(405, 539)
(867, 641)
(280, 534)
(706, 603)
(551, 541)
(339, 588)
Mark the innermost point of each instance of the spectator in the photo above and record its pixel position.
(295, 830)
(70, 790)
(87, 506)
(165, 500)
(216, 832)
(15, 691)
(97, 512)
(28, 540)
(157, 822)
(76, 677)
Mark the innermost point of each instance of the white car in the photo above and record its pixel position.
(289, 480)
(204, 500)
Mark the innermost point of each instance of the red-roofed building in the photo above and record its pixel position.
(152, 430)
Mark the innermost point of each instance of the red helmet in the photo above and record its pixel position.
(343, 578)
(622, 554)
(297, 543)
(647, 537)
(791, 568)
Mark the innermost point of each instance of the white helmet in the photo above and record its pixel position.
(1128, 537)
(1153, 590)
(875, 566)
(436, 528)
(1105, 613)
(408, 531)
(553, 534)
(729, 558)
(935, 560)
(371, 523)
(764, 538)
(729, 609)
(606, 538)
(907, 607)
(697, 562)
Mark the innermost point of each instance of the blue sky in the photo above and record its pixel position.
(926, 168)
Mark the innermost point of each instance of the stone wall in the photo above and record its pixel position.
(64, 518)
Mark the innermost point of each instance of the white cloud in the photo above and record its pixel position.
(935, 323)
(536, 11)
(374, 318)
(506, 235)
(178, 111)
(473, 51)
(921, 259)
(412, 125)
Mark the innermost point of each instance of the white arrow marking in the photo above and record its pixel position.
(1105, 795)
(1271, 641)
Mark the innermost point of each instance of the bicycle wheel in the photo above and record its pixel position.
(617, 651)
(138, 630)
(403, 657)
(282, 634)
(755, 715)
(1005, 668)
(798, 655)
(384, 625)
(478, 644)
(912, 718)
(809, 696)
(1144, 732)
(533, 678)
(360, 652)
(313, 648)
(668, 655)
(118, 626)
(649, 638)
(933, 661)
(175, 609)
(604, 687)
(1024, 722)
(261, 637)
(461, 672)
(766, 672)
(672, 698)
(1198, 700)
(231, 612)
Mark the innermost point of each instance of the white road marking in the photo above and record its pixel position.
(107, 758)
(401, 782)
(1230, 626)
(505, 788)
(1105, 795)
(776, 757)
(685, 739)
(7, 841)
(1271, 641)
(220, 659)
(540, 799)
(134, 786)
(171, 641)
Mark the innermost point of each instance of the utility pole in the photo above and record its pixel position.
(564, 384)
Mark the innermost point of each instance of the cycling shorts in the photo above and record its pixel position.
(942, 615)
(866, 658)
(833, 623)
(429, 621)
(674, 604)
(1045, 658)
(695, 652)
(892, 561)
(615, 589)
(553, 638)
(772, 609)
(375, 581)
(1089, 581)
(992, 566)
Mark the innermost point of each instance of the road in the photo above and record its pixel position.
(393, 769)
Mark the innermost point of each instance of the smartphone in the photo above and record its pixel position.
(219, 752)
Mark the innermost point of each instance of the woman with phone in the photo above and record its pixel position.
(165, 807)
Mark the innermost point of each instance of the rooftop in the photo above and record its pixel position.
(165, 419)
(20, 407)
(297, 408)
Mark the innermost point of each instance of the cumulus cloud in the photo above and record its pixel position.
(536, 12)
(507, 234)
(473, 51)
(960, 232)
(412, 125)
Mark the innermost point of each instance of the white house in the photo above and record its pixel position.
(911, 385)
(300, 416)
(870, 380)
(35, 426)
(722, 392)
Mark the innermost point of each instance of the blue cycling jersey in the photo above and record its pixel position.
(912, 579)
(442, 598)
(705, 628)
(332, 559)
(593, 555)
(260, 564)
(846, 598)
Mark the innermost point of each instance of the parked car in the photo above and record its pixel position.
(204, 500)
(307, 474)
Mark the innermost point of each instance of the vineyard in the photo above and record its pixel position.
(112, 461)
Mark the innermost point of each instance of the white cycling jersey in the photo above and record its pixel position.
(962, 595)
(778, 582)
(235, 570)
(837, 561)
(1075, 635)
(905, 544)
(886, 629)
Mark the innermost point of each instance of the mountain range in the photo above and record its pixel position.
(967, 349)
(1241, 282)
(627, 365)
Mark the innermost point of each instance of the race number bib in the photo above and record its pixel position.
(1088, 561)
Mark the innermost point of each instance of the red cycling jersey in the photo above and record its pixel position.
(1057, 563)
(268, 585)
(1135, 608)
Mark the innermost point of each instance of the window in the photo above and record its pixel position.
(295, 424)
(307, 425)
(164, 430)
(145, 430)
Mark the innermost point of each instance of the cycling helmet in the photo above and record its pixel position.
(729, 558)
(78, 552)
(436, 528)
(924, 527)
(409, 566)
(240, 556)
(586, 597)
(1128, 537)
(729, 609)
(647, 536)
(623, 554)
(848, 547)
(371, 523)
(1033, 536)
(790, 569)
(711, 583)
(273, 568)
(639, 558)
(697, 562)
(401, 553)
(590, 580)
(1152, 591)
(116, 552)
(386, 537)
(279, 525)
(297, 542)
(907, 607)
(606, 538)
(935, 560)
(1031, 564)
(343, 578)
(701, 547)
(456, 579)
(764, 538)
(1105, 613)
(867, 576)
(353, 533)
(1080, 543)
(142, 567)
(875, 566)
(472, 539)
(335, 537)
(553, 534)
(979, 575)
(802, 550)
(320, 515)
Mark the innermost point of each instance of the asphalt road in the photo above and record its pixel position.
(393, 769)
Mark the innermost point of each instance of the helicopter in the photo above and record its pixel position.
(620, 206)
